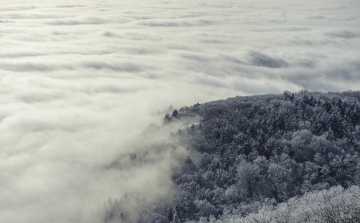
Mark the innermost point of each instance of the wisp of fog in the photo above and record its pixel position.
(81, 80)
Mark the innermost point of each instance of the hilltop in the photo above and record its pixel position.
(259, 158)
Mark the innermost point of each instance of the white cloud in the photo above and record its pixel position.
(79, 80)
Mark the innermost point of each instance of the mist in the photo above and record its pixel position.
(81, 80)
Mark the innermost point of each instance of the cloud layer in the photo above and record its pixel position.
(79, 80)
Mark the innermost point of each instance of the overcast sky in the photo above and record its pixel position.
(79, 79)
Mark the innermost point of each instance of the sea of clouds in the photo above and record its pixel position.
(79, 80)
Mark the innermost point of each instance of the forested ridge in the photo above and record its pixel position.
(292, 157)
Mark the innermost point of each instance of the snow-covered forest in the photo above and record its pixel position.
(292, 157)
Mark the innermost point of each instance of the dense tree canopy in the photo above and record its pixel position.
(258, 152)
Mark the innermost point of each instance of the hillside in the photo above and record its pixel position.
(266, 154)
